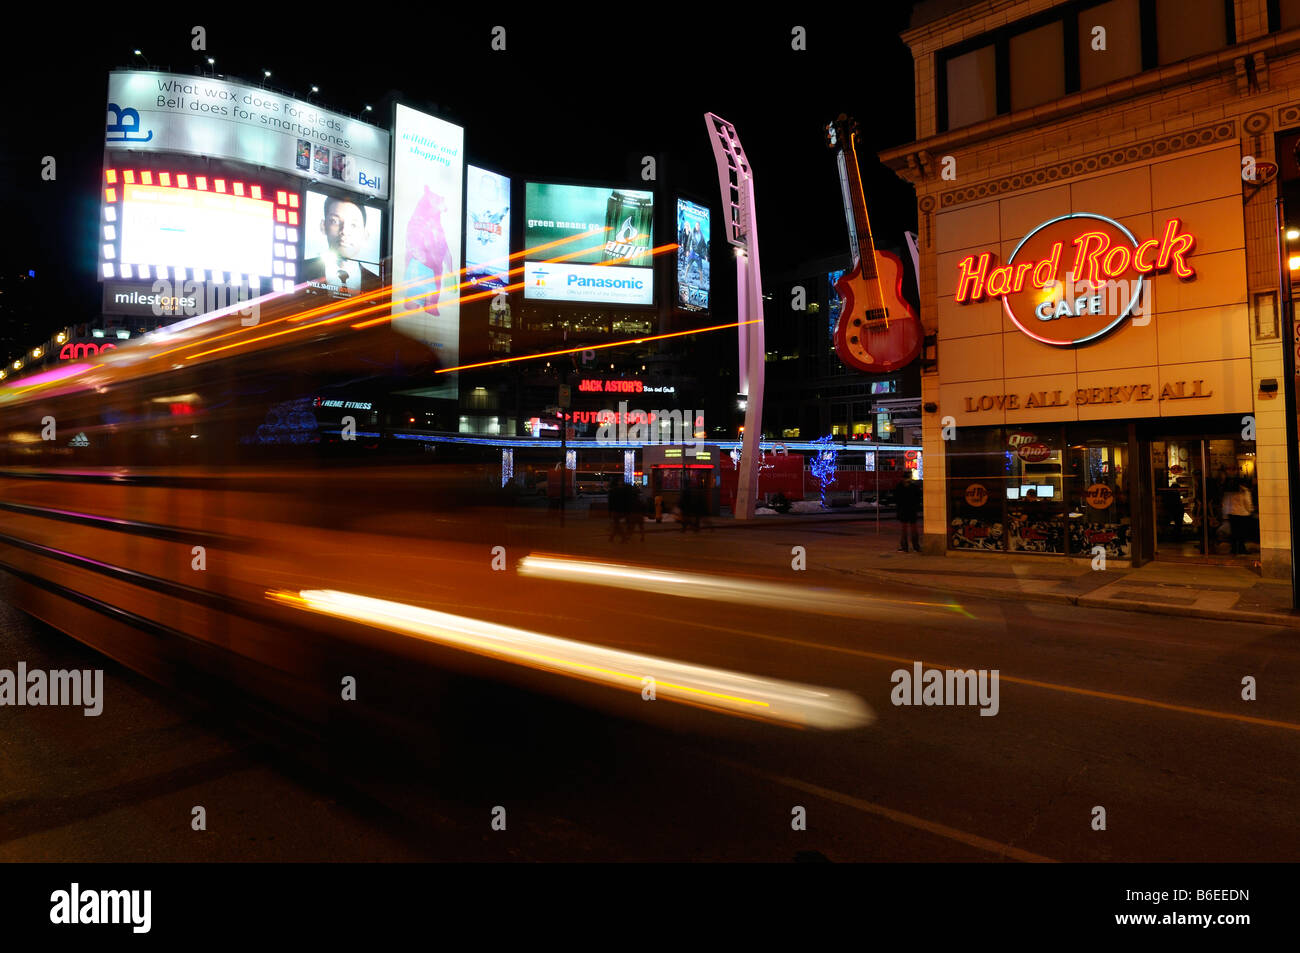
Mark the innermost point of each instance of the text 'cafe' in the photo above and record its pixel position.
(1095, 382)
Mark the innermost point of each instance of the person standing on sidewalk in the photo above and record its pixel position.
(907, 503)
(1243, 507)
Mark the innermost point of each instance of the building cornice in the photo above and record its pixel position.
(915, 161)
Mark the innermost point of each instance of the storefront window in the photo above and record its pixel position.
(977, 477)
(1035, 492)
(1098, 495)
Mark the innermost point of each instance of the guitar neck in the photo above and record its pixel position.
(855, 208)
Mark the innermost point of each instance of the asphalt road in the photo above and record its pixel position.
(1139, 714)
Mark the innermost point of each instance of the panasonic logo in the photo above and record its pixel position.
(635, 283)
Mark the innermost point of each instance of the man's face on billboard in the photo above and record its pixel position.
(345, 229)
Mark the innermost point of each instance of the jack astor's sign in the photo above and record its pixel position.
(1173, 390)
(1076, 278)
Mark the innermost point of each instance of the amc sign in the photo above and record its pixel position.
(1074, 279)
(72, 351)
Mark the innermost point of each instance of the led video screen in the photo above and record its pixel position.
(589, 245)
(187, 228)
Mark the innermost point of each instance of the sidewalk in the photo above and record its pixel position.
(1172, 588)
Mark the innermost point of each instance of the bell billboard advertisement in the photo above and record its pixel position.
(174, 113)
(588, 245)
(428, 179)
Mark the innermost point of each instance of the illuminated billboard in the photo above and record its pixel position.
(487, 227)
(171, 112)
(428, 173)
(177, 225)
(588, 244)
(692, 256)
(172, 226)
(341, 244)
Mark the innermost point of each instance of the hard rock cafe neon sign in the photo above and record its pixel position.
(1102, 286)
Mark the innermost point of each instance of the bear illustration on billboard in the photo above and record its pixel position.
(428, 257)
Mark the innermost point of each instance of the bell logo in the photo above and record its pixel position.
(1076, 278)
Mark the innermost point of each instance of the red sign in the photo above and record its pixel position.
(1034, 452)
(611, 387)
(1068, 304)
(1020, 438)
(84, 349)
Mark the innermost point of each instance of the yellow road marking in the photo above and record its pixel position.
(1033, 683)
(901, 817)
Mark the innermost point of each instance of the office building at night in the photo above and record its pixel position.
(1096, 191)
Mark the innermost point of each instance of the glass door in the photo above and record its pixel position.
(1178, 496)
(1204, 497)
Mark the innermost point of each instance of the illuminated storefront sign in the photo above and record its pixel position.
(1102, 285)
(1123, 394)
(597, 386)
(72, 351)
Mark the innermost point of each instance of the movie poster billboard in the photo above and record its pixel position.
(428, 174)
(692, 256)
(487, 228)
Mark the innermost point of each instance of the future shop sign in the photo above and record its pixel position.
(1102, 287)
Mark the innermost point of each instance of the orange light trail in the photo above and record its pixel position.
(598, 347)
(356, 313)
(492, 292)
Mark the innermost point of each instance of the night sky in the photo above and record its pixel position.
(574, 96)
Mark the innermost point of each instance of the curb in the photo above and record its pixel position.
(1093, 602)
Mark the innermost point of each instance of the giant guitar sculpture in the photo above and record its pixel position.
(878, 331)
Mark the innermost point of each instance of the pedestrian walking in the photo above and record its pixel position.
(907, 503)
